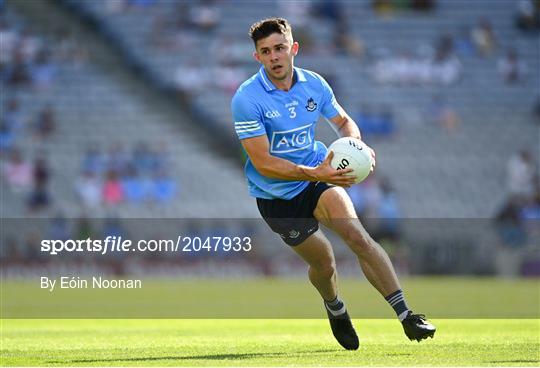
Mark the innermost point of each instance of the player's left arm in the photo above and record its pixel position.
(336, 115)
(347, 127)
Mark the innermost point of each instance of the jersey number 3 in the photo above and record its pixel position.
(293, 113)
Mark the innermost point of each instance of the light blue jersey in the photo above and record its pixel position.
(288, 119)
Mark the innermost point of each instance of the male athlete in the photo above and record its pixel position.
(275, 113)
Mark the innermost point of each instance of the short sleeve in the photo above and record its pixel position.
(247, 118)
(330, 106)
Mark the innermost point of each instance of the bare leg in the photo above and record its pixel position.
(317, 252)
(335, 210)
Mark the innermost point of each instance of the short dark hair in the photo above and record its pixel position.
(266, 27)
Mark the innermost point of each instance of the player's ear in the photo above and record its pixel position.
(256, 56)
(295, 47)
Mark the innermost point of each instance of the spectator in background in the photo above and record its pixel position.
(58, 228)
(162, 159)
(512, 236)
(521, 175)
(172, 31)
(205, 15)
(528, 15)
(511, 68)
(234, 53)
(346, 43)
(386, 124)
(18, 172)
(39, 197)
(143, 158)
(117, 159)
(67, 49)
(164, 187)
(134, 187)
(13, 116)
(366, 198)
(376, 124)
(388, 231)
(463, 44)
(484, 38)
(112, 189)
(228, 77)
(445, 69)
(404, 68)
(7, 137)
(388, 211)
(42, 72)
(191, 78)
(440, 113)
(93, 161)
(29, 46)
(89, 189)
(45, 122)
(408, 69)
(444, 46)
(531, 210)
(9, 38)
(17, 73)
(332, 10)
(112, 226)
(364, 119)
(384, 8)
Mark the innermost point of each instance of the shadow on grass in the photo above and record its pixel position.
(239, 356)
(515, 361)
(399, 354)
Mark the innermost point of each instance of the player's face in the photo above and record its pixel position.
(276, 52)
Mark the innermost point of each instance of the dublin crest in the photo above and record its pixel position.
(311, 105)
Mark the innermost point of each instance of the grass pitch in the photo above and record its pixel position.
(271, 298)
(481, 322)
(263, 343)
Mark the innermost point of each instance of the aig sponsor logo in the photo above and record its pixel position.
(291, 140)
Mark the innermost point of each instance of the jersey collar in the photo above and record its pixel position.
(269, 86)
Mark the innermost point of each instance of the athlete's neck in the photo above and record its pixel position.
(285, 84)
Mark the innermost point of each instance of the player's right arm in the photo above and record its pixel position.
(250, 129)
(258, 150)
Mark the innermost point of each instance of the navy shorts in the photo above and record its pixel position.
(293, 219)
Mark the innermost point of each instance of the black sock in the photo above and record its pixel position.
(397, 301)
(336, 307)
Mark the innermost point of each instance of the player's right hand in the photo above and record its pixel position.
(327, 174)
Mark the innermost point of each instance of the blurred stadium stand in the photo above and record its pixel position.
(436, 174)
(445, 156)
(97, 105)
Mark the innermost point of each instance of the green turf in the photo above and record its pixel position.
(438, 297)
(263, 343)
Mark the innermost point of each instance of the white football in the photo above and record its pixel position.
(352, 153)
